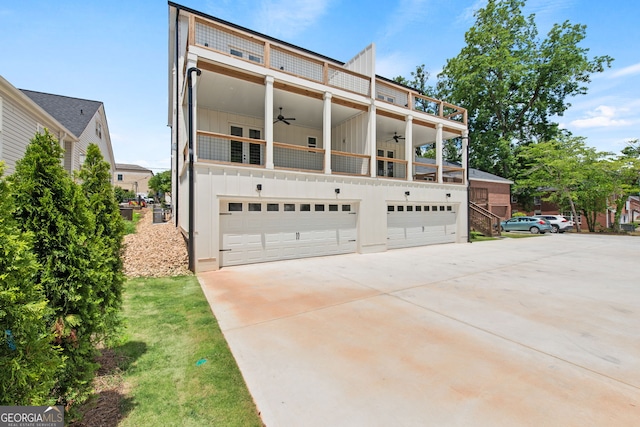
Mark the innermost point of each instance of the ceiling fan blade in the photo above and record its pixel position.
(289, 118)
(285, 120)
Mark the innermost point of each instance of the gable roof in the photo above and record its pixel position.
(474, 174)
(73, 113)
(132, 168)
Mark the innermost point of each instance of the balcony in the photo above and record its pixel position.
(271, 54)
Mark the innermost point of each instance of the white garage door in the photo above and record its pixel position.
(253, 232)
(420, 224)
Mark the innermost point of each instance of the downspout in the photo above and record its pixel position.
(175, 197)
(191, 248)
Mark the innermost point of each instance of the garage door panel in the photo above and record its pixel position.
(258, 236)
(423, 225)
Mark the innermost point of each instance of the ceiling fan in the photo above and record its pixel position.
(282, 118)
(397, 137)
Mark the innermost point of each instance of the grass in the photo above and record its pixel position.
(522, 235)
(479, 237)
(170, 329)
(130, 226)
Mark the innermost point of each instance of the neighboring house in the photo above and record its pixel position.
(296, 154)
(491, 192)
(84, 118)
(20, 119)
(132, 177)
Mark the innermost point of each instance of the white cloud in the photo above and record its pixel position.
(626, 71)
(285, 19)
(603, 116)
(467, 14)
(395, 64)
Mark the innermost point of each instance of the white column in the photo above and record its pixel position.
(408, 146)
(372, 140)
(465, 154)
(268, 120)
(326, 132)
(439, 150)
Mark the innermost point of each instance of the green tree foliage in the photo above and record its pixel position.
(513, 83)
(122, 194)
(29, 362)
(567, 172)
(53, 208)
(624, 173)
(107, 236)
(161, 182)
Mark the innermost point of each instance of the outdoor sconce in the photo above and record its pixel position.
(448, 194)
(259, 187)
(337, 191)
(406, 193)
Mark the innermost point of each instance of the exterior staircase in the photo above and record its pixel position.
(483, 220)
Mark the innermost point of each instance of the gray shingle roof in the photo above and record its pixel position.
(473, 173)
(130, 167)
(73, 113)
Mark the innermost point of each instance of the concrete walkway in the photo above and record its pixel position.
(531, 332)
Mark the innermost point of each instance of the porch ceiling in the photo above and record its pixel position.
(242, 97)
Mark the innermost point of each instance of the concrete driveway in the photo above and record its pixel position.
(536, 331)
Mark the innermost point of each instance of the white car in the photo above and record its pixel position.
(559, 224)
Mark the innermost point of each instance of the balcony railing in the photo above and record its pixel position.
(222, 148)
(296, 157)
(350, 164)
(235, 150)
(252, 48)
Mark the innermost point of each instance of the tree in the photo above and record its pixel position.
(50, 206)
(512, 83)
(107, 236)
(161, 183)
(122, 194)
(29, 362)
(565, 171)
(624, 173)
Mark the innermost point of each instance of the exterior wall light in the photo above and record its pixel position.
(259, 187)
(337, 191)
(448, 194)
(406, 193)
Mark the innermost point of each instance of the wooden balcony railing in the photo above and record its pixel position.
(350, 163)
(252, 48)
(222, 148)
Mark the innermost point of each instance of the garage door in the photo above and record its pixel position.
(253, 232)
(420, 224)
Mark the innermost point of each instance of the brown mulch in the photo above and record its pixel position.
(155, 250)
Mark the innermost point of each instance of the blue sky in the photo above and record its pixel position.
(115, 51)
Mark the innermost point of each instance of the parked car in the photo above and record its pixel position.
(526, 223)
(559, 223)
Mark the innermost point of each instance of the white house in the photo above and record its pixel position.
(20, 120)
(295, 154)
(86, 119)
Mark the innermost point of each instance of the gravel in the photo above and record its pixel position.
(155, 250)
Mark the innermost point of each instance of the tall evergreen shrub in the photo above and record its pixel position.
(107, 235)
(28, 361)
(53, 208)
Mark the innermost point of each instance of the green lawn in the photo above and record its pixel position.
(130, 226)
(180, 371)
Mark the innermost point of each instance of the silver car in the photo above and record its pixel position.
(559, 223)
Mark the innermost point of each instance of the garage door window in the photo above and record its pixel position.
(319, 208)
(255, 207)
(400, 208)
(289, 207)
(305, 207)
(346, 208)
(391, 208)
(418, 208)
(273, 207)
(409, 208)
(442, 208)
(333, 208)
(235, 207)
